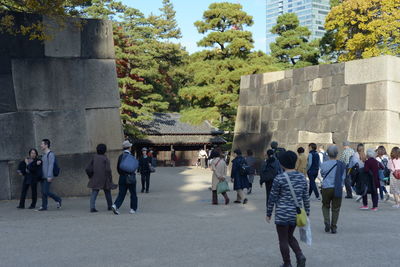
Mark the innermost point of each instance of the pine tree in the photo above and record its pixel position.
(292, 46)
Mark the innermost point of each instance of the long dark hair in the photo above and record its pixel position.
(33, 149)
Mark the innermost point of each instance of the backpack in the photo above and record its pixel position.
(129, 163)
(386, 171)
(325, 157)
(56, 167)
(269, 172)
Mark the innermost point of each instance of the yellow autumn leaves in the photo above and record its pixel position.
(365, 28)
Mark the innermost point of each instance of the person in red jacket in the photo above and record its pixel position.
(372, 166)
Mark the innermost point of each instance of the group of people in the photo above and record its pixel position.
(285, 174)
(43, 169)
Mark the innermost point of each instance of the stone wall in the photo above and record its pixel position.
(356, 101)
(64, 89)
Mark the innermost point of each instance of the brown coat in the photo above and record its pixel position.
(301, 164)
(99, 172)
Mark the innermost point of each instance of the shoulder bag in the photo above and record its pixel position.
(396, 172)
(301, 216)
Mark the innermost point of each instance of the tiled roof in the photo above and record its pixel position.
(170, 124)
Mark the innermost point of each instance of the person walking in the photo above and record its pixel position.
(285, 208)
(31, 169)
(47, 162)
(100, 177)
(345, 158)
(144, 170)
(313, 169)
(251, 162)
(333, 173)
(239, 176)
(126, 167)
(372, 166)
(382, 158)
(394, 165)
(356, 163)
(301, 163)
(270, 168)
(277, 150)
(219, 168)
(203, 158)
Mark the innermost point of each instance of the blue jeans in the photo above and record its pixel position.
(123, 188)
(313, 185)
(45, 186)
(382, 190)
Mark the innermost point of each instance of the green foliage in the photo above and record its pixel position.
(212, 92)
(147, 60)
(55, 9)
(292, 46)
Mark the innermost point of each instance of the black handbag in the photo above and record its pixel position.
(131, 178)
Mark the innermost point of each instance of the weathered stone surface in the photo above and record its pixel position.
(317, 84)
(326, 82)
(327, 110)
(102, 127)
(369, 126)
(299, 75)
(342, 105)
(5, 192)
(344, 90)
(284, 85)
(357, 97)
(17, 135)
(47, 84)
(7, 96)
(288, 73)
(65, 38)
(331, 69)
(245, 82)
(66, 129)
(273, 76)
(243, 97)
(337, 80)
(383, 96)
(311, 72)
(376, 69)
(322, 97)
(256, 80)
(97, 39)
(333, 95)
(310, 137)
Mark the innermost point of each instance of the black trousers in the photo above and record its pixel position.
(286, 240)
(24, 192)
(347, 184)
(268, 188)
(145, 181)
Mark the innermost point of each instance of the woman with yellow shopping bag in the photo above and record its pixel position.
(289, 196)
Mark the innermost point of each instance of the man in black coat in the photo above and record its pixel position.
(144, 169)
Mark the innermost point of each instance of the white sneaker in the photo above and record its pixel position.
(114, 209)
(132, 211)
(396, 206)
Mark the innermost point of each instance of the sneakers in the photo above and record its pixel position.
(364, 208)
(114, 209)
(41, 209)
(387, 197)
(20, 207)
(327, 228)
(249, 191)
(396, 206)
(358, 198)
(301, 261)
(93, 210)
(59, 204)
(374, 209)
(245, 201)
(132, 211)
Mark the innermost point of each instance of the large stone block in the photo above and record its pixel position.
(322, 97)
(51, 84)
(17, 135)
(97, 39)
(66, 130)
(342, 105)
(65, 37)
(331, 69)
(240, 126)
(102, 127)
(273, 76)
(327, 110)
(333, 95)
(310, 137)
(375, 126)
(311, 72)
(243, 97)
(245, 82)
(5, 192)
(376, 69)
(285, 85)
(7, 96)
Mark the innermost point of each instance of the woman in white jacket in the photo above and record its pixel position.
(219, 168)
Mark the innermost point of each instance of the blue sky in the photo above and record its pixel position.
(188, 11)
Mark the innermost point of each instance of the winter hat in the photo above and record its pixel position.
(288, 159)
